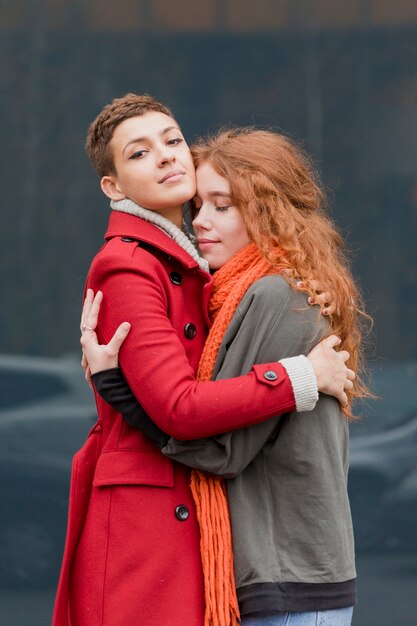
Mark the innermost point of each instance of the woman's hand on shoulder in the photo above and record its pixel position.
(323, 299)
(97, 357)
(333, 377)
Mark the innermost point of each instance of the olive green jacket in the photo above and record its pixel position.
(287, 477)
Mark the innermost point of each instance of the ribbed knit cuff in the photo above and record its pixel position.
(303, 381)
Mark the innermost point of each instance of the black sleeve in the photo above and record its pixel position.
(113, 388)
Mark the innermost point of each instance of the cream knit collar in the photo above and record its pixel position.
(169, 228)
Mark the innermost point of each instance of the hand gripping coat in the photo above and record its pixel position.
(132, 549)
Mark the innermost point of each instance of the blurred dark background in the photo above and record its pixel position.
(341, 77)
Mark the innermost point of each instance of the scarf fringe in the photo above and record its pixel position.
(210, 496)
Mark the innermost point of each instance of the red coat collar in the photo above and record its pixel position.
(126, 225)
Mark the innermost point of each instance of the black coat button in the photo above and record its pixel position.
(190, 331)
(270, 375)
(175, 278)
(182, 513)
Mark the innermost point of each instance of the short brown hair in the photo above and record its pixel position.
(100, 131)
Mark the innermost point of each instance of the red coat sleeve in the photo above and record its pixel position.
(156, 366)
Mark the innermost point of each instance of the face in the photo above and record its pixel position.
(219, 226)
(153, 165)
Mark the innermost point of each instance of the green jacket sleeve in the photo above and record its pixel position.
(273, 321)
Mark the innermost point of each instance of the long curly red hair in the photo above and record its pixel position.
(273, 183)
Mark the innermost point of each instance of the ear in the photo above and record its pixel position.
(110, 187)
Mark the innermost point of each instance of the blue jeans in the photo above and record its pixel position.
(336, 617)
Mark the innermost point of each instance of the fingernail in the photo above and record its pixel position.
(300, 283)
(325, 312)
(311, 300)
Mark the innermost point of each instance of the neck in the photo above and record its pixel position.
(173, 215)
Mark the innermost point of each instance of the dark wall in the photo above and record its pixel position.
(350, 94)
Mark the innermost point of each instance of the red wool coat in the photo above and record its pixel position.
(132, 549)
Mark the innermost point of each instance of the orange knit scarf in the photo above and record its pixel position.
(209, 492)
